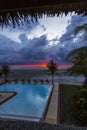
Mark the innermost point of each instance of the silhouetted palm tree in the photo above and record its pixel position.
(82, 51)
(78, 104)
(79, 59)
(52, 66)
(5, 70)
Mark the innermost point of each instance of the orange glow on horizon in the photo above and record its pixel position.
(31, 65)
(60, 66)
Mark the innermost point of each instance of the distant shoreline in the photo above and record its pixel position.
(42, 74)
(36, 66)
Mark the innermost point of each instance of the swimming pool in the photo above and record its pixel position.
(29, 103)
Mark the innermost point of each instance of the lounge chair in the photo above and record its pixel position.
(23, 81)
(35, 81)
(47, 81)
(16, 81)
(28, 81)
(42, 81)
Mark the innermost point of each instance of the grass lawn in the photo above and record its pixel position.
(67, 92)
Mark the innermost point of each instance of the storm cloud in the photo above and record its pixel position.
(39, 49)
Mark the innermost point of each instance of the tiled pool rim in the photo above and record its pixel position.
(47, 104)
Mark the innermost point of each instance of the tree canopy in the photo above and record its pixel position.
(79, 57)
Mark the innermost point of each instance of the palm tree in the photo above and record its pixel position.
(52, 66)
(79, 59)
(82, 50)
(78, 104)
(5, 70)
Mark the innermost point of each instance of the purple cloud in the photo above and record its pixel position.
(39, 49)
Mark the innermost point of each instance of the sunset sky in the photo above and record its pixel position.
(37, 43)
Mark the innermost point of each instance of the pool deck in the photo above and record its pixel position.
(52, 113)
(4, 96)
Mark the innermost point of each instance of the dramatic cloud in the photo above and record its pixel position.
(69, 40)
(30, 50)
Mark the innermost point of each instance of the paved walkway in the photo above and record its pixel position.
(52, 112)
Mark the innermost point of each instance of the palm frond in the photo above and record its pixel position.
(80, 28)
(12, 11)
(79, 59)
(75, 52)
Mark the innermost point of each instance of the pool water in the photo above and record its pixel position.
(28, 104)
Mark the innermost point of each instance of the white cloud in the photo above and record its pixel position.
(51, 26)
